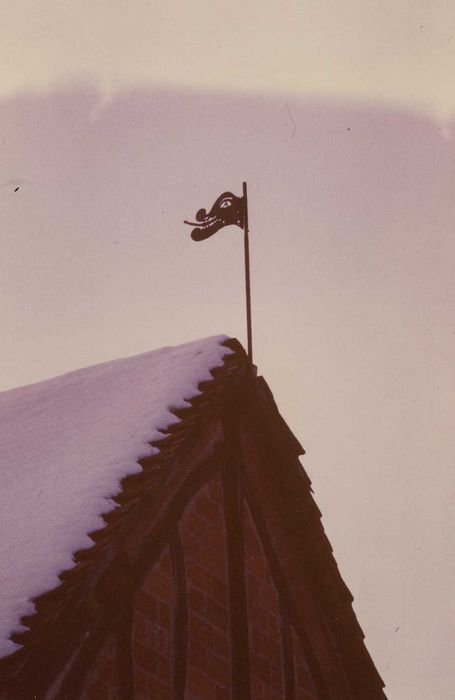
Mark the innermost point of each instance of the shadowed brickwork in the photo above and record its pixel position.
(266, 654)
(205, 638)
(203, 537)
(152, 633)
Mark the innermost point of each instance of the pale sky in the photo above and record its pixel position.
(118, 120)
(398, 51)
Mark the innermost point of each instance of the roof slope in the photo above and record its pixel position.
(279, 494)
(65, 445)
(97, 465)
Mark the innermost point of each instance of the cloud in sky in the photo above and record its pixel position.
(400, 52)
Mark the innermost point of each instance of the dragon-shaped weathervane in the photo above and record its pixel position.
(228, 209)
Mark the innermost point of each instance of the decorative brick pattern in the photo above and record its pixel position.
(152, 633)
(264, 620)
(203, 538)
(102, 683)
(304, 689)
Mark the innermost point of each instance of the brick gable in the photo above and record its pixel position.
(213, 580)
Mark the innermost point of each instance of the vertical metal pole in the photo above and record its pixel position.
(247, 275)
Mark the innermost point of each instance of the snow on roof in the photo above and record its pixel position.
(65, 444)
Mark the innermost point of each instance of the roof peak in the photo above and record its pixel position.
(216, 339)
(67, 444)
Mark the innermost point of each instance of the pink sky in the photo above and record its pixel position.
(340, 117)
(352, 219)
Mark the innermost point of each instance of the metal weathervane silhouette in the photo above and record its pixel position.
(228, 210)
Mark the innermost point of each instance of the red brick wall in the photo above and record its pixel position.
(203, 537)
(208, 675)
(264, 620)
(152, 633)
(102, 683)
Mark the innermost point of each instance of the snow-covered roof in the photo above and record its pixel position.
(65, 444)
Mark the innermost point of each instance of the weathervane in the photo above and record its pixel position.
(228, 210)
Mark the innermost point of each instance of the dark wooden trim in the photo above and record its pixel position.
(124, 650)
(154, 545)
(284, 593)
(76, 679)
(180, 621)
(158, 538)
(238, 613)
(288, 655)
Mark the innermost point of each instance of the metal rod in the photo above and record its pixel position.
(247, 275)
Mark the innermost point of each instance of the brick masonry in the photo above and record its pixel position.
(203, 536)
(266, 654)
(208, 673)
(152, 633)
